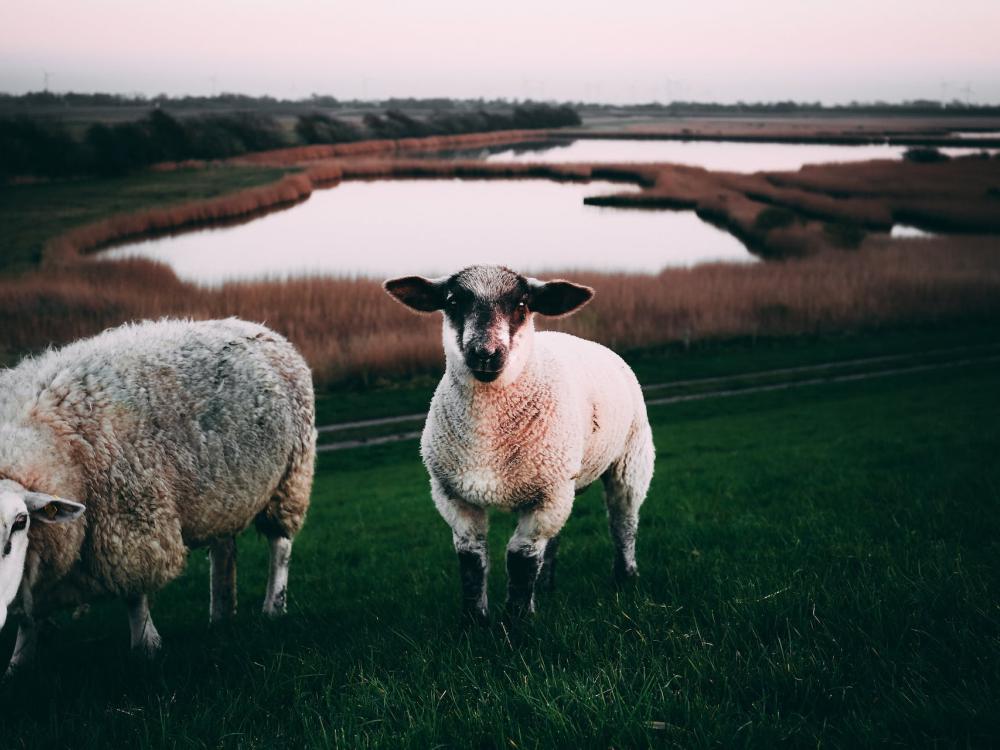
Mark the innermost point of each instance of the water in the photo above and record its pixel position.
(723, 156)
(978, 134)
(387, 228)
(905, 231)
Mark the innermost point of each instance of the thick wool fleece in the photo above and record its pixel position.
(573, 412)
(172, 433)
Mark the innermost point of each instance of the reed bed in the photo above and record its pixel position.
(352, 333)
(66, 248)
(387, 147)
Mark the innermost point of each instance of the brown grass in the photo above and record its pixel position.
(350, 331)
(386, 147)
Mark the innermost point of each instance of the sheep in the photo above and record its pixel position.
(138, 444)
(523, 421)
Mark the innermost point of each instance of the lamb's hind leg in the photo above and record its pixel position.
(625, 485)
(222, 560)
(282, 519)
(276, 599)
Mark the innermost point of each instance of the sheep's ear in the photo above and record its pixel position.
(51, 509)
(418, 293)
(557, 297)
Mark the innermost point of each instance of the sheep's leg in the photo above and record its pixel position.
(276, 599)
(527, 550)
(469, 525)
(222, 561)
(27, 629)
(625, 485)
(144, 638)
(25, 645)
(547, 576)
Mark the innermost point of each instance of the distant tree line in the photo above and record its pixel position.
(230, 101)
(45, 148)
(29, 146)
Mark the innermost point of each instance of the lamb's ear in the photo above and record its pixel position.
(51, 509)
(418, 293)
(557, 297)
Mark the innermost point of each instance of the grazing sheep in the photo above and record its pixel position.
(167, 435)
(523, 421)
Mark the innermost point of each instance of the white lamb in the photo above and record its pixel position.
(166, 435)
(523, 421)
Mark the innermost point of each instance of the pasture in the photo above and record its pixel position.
(818, 568)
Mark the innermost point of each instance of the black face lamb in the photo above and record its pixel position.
(522, 421)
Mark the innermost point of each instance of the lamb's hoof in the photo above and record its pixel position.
(217, 619)
(13, 669)
(81, 611)
(277, 606)
(478, 616)
(626, 575)
(519, 612)
(148, 648)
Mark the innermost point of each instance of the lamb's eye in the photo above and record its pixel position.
(522, 305)
(19, 523)
(452, 302)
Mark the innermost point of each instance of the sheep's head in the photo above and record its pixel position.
(487, 312)
(19, 508)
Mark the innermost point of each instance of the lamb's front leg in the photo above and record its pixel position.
(469, 525)
(526, 549)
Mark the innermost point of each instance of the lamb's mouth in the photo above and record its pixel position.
(485, 376)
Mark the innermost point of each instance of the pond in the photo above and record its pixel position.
(978, 134)
(392, 227)
(725, 156)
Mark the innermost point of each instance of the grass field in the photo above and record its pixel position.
(819, 568)
(32, 214)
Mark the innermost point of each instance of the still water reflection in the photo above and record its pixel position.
(383, 228)
(715, 155)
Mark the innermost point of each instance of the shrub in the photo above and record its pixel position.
(924, 155)
(774, 217)
(30, 147)
(848, 236)
(319, 128)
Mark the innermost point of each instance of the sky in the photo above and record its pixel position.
(626, 51)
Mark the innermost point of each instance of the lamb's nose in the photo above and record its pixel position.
(484, 351)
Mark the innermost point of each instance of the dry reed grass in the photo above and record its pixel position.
(351, 332)
(386, 147)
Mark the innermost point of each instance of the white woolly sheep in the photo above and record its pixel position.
(523, 421)
(167, 435)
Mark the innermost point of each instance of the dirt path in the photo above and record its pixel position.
(976, 355)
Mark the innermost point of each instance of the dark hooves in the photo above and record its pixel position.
(625, 576)
(476, 616)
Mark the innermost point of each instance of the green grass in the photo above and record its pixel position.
(819, 568)
(32, 214)
(701, 359)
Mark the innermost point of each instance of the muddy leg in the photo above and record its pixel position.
(469, 525)
(527, 548)
(547, 577)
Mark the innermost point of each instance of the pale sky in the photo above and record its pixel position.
(624, 51)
